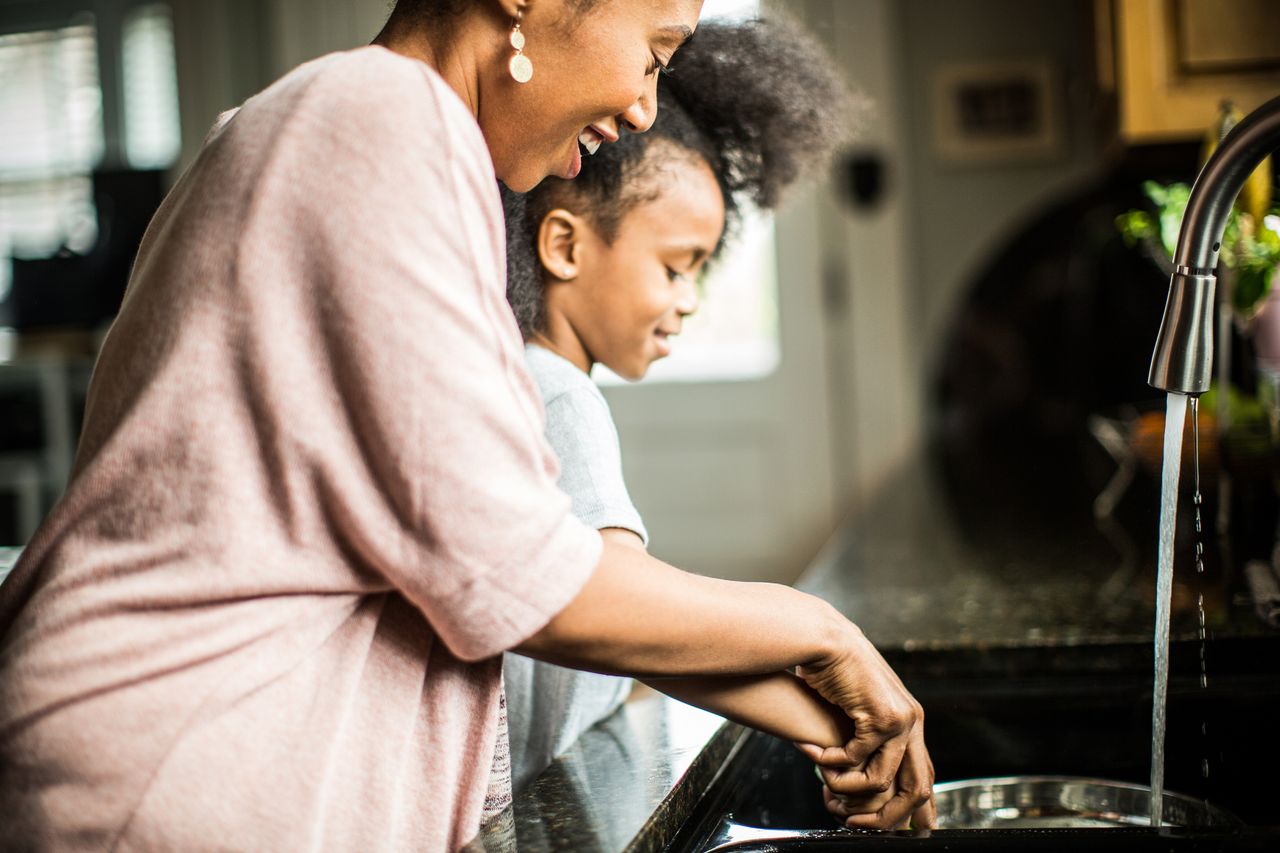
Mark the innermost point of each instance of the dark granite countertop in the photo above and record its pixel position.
(629, 783)
(920, 569)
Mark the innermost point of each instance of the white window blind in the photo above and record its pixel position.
(50, 140)
(151, 129)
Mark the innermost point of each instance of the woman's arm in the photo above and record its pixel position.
(639, 616)
(780, 704)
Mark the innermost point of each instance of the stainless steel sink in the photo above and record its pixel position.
(1064, 802)
(1007, 803)
(1004, 720)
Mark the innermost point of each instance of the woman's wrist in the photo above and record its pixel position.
(835, 635)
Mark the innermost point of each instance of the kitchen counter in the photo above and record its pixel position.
(919, 569)
(941, 585)
(629, 783)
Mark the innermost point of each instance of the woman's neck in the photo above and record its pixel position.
(453, 57)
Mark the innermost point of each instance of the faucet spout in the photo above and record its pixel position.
(1183, 355)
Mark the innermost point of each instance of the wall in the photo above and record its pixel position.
(304, 29)
(872, 385)
(227, 50)
(958, 215)
(896, 271)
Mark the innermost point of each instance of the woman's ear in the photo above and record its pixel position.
(510, 7)
(560, 239)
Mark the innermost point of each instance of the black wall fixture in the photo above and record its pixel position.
(863, 179)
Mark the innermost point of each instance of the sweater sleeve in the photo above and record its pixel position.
(447, 489)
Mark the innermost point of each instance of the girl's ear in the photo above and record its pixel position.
(560, 239)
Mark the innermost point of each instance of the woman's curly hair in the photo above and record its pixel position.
(758, 100)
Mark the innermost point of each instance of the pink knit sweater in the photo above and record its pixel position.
(311, 505)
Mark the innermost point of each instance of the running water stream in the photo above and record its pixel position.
(1174, 420)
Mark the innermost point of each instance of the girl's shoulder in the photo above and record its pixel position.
(559, 380)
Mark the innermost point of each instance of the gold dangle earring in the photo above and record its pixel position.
(520, 66)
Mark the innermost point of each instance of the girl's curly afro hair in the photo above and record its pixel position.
(758, 100)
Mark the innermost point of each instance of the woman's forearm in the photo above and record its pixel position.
(639, 616)
(780, 704)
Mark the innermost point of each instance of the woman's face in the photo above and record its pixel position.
(595, 72)
(629, 298)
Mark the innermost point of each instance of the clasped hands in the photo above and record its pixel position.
(882, 778)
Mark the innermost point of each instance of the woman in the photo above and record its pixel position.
(312, 505)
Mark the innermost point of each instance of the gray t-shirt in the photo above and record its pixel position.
(548, 706)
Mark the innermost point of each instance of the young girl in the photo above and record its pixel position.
(604, 270)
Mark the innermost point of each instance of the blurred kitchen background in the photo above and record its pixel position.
(958, 295)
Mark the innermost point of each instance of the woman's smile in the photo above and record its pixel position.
(588, 142)
(592, 138)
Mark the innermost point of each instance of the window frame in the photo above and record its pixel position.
(109, 16)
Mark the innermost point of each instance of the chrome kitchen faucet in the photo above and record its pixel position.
(1183, 356)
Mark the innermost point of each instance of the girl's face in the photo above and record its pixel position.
(594, 74)
(620, 304)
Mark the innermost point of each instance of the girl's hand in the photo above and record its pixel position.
(891, 809)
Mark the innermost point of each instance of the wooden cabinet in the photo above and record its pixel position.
(1169, 63)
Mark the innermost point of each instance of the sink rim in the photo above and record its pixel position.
(1112, 803)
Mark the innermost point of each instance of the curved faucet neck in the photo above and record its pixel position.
(1220, 181)
(1183, 356)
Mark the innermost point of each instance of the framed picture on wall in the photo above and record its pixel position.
(989, 112)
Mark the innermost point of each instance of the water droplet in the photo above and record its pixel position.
(1204, 768)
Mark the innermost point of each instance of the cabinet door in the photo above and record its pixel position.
(1177, 59)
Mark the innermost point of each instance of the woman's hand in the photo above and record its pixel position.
(883, 777)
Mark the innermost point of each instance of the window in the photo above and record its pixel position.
(734, 335)
(56, 118)
(152, 135)
(51, 139)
